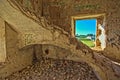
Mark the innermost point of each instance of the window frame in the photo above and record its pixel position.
(100, 20)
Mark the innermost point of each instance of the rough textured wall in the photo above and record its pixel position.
(33, 7)
(59, 12)
(2, 41)
(80, 53)
(52, 51)
(15, 59)
(21, 29)
(106, 66)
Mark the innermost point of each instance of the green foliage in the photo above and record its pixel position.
(88, 42)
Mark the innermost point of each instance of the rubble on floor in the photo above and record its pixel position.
(52, 69)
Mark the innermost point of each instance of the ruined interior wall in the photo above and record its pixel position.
(16, 59)
(2, 41)
(113, 30)
(33, 7)
(14, 48)
(55, 52)
(59, 12)
(51, 51)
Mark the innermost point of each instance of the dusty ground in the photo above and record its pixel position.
(50, 69)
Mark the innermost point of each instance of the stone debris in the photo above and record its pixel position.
(52, 69)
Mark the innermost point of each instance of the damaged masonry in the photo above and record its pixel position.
(38, 40)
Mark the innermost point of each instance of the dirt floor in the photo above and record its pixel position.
(51, 69)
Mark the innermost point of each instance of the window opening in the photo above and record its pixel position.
(85, 31)
(90, 30)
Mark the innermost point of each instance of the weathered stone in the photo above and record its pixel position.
(29, 37)
(2, 41)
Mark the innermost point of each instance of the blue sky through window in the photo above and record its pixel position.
(86, 26)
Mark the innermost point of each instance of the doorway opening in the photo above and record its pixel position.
(90, 30)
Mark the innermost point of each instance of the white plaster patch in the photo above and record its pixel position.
(102, 36)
